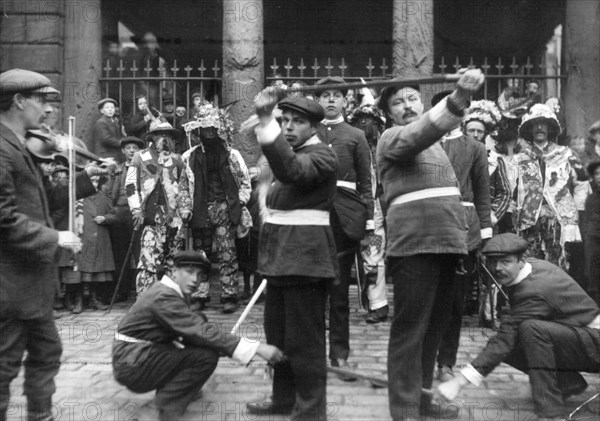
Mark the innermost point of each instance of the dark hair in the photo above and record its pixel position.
(6, 100)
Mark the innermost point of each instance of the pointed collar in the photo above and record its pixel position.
(168, 282)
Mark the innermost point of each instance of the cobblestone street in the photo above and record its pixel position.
(86, 389)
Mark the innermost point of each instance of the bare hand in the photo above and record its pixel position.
(271, 353)
(70, 241)
(147, 118)
(186, 216)
(107, 166)
(448, 391)
(471, 81)
(100, 220)
(138, 220)
(266, 100)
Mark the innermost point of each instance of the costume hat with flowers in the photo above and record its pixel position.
(370, 111)
(211, 116)
(486, 112)
(162, 127)
(536, 113)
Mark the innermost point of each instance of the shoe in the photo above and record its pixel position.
(432, 408)
(246, 294)
(95, 303)
(269, 408)
(229, 307)
(341, 363)
(574, 389)
(78, 305)
(444, 373)
(378, 316)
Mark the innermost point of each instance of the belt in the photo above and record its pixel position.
(425, 194)
(298, 217)
(467, 204)
(347, 184)
(125, 338)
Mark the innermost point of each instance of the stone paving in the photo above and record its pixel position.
(86, 389)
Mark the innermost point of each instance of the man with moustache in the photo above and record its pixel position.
(106, 133)
(353, 209)
(552, 331)
(426, 236)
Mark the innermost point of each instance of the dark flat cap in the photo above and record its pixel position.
(592, 167)
(132, 139)
(106, 100)
(310, 108)
(504, 244)
(331, 80)
(25, 81)
(191, 258)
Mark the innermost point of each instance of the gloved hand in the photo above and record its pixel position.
(70, 241)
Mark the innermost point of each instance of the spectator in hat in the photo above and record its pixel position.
(105, 140)
(163, 345)
(546, 214)
(592, 233)
(121, 230)
(352, 216)
(552, 331)
(152, 187)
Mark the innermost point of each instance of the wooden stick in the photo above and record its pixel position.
(375, 381)
(259, 291)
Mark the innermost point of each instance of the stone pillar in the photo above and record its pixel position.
(243, 66)
(582, 61)
(413, 38)
(82, 64)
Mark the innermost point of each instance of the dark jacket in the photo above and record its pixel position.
(106, 139)
(547, 294)
(592, 213)
(28, 241)
(97, 254)
(305, 179)
(137, 126)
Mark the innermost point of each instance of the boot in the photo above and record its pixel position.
(95, 303)
(69, 298)
(39, 409)
(78, 307)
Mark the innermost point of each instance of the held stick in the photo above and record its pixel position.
(259, 291)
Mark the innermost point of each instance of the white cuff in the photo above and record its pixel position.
(370, 225)
(472, 375)
(494, 219)
(267, 134)
(486, 233)
(442, 118)
(245, 351)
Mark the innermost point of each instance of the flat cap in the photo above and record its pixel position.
(133, 139)
(25, 81)
(592, 167)
(106, 100)
(191, 258)
(310, 108)
(504, 244)
(331, 80)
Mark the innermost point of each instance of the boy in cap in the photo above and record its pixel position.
(552, 331)
(163, 345)
(107, 133)
(353, 209)
(296, 252)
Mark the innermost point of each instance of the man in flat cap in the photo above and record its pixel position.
(296, 252)
(352, 209)
(28, 245)
(552, 331)
(162, 345)
(106, 135)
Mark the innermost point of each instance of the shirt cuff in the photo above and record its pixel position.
(442, 118)
(472, 375)
(266, 135)
(370, 225)
(245, 351)
(486, 233)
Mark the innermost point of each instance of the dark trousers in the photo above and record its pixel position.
(592, 266)
(295, 323)
(120, 236)
(40, 339)
(176, 374)
(553, 354)
(463, 286)
(339, 300)
(423, 291)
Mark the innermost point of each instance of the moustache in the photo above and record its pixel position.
(409, 114)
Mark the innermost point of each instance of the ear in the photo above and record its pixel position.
(19, 100)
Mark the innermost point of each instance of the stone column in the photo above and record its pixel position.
(82, 64)
(413, 38)
(582, 61)
(243, 66)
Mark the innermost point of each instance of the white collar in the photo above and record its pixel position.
(328, 122)
(541, 148)
(523, 273)
(312, 141)
(168, 282)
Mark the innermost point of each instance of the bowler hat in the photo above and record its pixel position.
(106, 100)
(132, 139)
(332, 80)
(25, 81)
(191, 258)
(505, 244)
(308, 107)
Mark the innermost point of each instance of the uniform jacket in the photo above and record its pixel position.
(354, 165)
(28, 241)
(469, 161)
(547, 294)
(305, 179)
(148, 169)
(106, 139)
(409, 159)
(97, 254)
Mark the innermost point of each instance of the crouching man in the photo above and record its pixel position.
(162, 345)
(552, 331)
